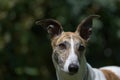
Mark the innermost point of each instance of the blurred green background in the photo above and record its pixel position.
(25, 50)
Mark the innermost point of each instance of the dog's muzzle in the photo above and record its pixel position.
(73, 68)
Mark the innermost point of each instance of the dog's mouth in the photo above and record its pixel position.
(71, 73)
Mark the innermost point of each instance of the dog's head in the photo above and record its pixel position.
(68, 47)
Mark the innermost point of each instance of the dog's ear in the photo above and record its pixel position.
(53, 27)
(85, 27)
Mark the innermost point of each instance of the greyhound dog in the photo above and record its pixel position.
(69, 52)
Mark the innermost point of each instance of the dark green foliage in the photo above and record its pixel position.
(25, 51)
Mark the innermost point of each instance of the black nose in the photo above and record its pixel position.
(73, 68)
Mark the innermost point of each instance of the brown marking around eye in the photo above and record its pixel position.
(62, 46)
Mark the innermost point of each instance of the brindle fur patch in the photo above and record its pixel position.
(66, 35)
(110, 75)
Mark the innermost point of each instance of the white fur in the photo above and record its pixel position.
(98, 75)
(72, 58)
(95, 74)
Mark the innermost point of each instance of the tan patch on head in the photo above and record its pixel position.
(66, 36)
(110, 75)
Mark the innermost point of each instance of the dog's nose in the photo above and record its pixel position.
(73, 68)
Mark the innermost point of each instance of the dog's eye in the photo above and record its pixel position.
(81, 48)
(62, 46)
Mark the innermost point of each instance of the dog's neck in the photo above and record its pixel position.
(85, 72)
